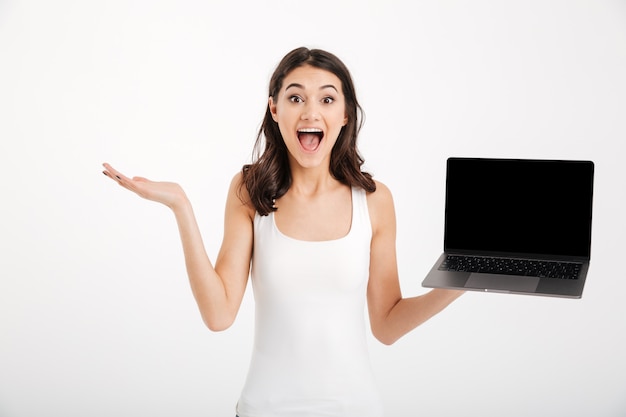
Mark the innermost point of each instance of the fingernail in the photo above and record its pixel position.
(104, 172)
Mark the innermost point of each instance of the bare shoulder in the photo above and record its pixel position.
(382, 192)
(238, 196)
(381, 207)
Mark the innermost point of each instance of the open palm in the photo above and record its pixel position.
(168, 193)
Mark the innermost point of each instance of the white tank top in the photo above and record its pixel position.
(310, 355)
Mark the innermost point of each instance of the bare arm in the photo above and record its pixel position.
(392, 316)
(217, 290)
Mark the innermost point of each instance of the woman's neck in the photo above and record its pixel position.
(311, 181)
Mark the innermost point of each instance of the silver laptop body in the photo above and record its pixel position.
(516, 226)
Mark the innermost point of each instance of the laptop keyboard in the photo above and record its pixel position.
(525, 267)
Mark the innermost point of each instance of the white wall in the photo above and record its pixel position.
(96, 317)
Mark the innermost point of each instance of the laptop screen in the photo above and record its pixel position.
(519, 207)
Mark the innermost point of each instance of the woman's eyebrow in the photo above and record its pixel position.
(294, 85)
(329, 86)
(297, 85)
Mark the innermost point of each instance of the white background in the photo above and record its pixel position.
(96, 315)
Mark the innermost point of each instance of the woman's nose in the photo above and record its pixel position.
(310, 112)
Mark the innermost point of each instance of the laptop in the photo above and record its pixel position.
(518, 226)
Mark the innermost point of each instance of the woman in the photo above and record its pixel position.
(317, 237)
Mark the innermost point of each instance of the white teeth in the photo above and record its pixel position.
(310, 130)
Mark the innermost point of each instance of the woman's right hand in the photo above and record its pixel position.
(168, 193)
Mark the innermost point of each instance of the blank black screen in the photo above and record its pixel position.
(519, 206)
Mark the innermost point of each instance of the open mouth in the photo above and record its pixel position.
(310, 138)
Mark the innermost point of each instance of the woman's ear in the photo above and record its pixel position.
(272, 107)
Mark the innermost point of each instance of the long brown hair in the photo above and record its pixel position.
(269, 177)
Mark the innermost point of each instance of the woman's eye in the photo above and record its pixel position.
(295, 99)
(327, 100)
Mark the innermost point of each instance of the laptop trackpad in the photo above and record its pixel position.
(502, 282)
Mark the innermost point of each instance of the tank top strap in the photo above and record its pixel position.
(360, 212)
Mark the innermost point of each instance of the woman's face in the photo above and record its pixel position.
(310, 110)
